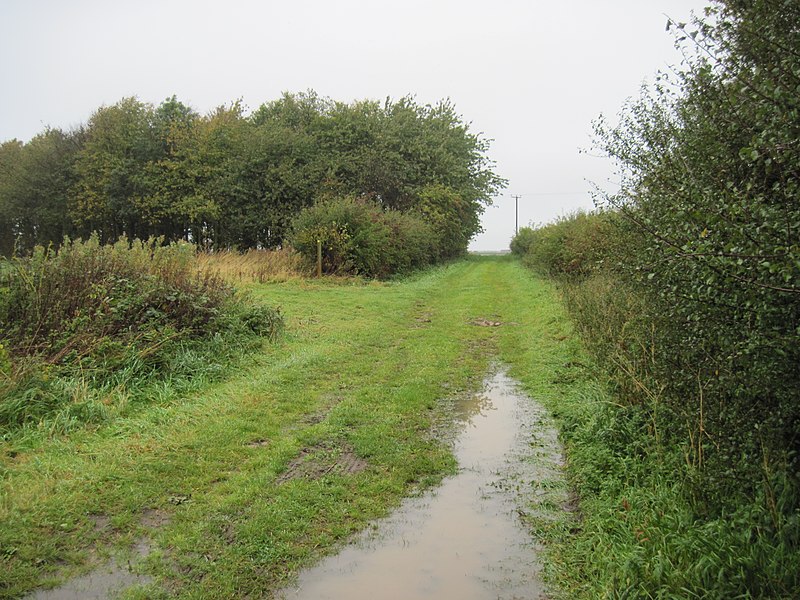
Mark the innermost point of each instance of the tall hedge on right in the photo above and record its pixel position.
(711, 187)
(687, 288)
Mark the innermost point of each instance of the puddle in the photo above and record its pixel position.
(465, 539)
(102, 583)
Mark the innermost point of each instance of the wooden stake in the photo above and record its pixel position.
(319, 258)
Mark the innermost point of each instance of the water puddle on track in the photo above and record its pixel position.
(465, 540)
(102, 583)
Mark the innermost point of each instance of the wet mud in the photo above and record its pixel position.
(102, 583)
(467, 538)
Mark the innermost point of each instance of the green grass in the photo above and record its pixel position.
(364, 369)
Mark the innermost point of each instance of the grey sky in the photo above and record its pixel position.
(531, 75)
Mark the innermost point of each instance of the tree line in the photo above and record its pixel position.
(230, 179)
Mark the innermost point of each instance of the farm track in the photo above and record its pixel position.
(312, 439)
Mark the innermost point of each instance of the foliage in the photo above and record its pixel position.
(574, 245)
(451, 218)
(228, 180)
(638, 534)
(358, 236)
(35, 180)
(120, 142)
(665, 508)
(97, 310)
(712, 187)
(691, 300)
(522, 241)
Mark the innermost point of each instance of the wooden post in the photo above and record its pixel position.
(319, 258)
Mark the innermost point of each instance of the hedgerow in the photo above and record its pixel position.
(687, 291)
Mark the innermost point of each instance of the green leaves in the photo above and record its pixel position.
(231, 180)
(97, 310)
(359, 237)
(710, 348)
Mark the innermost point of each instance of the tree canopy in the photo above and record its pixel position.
(230, 179)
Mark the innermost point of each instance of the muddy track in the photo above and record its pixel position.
(469, 537)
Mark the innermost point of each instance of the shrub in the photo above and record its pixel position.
(681, 455)
(699, 322)
(574, 245)
(91, 311)
(452, 220)
(710, 165)
(359, 237)
(70, 300)
(523, 240)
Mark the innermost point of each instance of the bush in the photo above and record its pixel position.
(694, 308)
(574, 246)
(523, 240)
(710, 185)
(359, 237)
(452, 220)
(90, 311)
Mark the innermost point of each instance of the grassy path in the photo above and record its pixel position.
(240, 486)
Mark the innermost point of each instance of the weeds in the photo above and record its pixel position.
(638, 533)
(84, 325)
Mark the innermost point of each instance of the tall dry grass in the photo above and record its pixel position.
(254, 266)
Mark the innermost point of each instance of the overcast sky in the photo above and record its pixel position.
(531, 75)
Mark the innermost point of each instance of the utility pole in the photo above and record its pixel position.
(516, 213)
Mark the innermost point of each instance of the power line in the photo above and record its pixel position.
(550, 194)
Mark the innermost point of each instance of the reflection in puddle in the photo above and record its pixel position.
(102, 583)
(465, 539)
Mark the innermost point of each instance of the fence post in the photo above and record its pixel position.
(319, 258)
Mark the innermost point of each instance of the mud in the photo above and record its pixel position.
(153, 518)
(259, 443)
(102, 583)
(318, 461)
(108, 580)
(466, 539)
